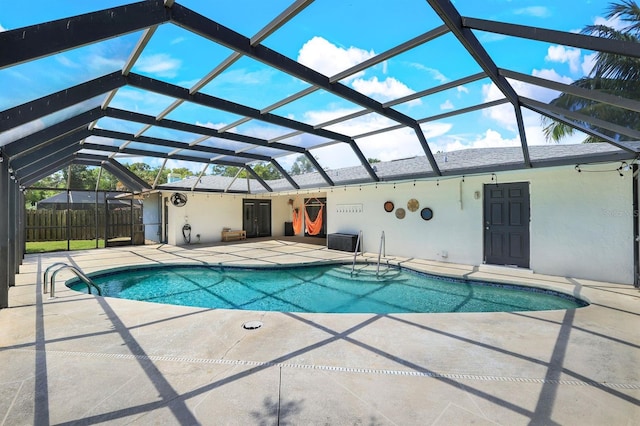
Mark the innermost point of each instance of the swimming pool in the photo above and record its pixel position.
(320, 288)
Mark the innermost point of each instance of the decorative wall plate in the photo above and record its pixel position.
(413, 205)
(426, 213)
(400, 213)
(388, 206)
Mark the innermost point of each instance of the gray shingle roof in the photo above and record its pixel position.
(467, 161)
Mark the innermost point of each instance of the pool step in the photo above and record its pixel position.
(365, 273)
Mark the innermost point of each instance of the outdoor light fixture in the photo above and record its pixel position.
(623, 167)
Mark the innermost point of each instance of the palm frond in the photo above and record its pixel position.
(555, 131)
(628, 11)
(612, 74)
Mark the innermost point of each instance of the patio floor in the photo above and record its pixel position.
(81, 359)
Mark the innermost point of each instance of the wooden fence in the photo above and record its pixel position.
(52, 225)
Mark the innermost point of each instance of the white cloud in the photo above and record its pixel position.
(504, 114)
(66, 62)
(536, 11)
(19, 132)
(159, 64)
(546, 95)
(462, 89)
(434, 73)
(242, 76)
(211, 125)
(364, 124)
(258, 130)
(2, 28)
(505, 117)
(322, 116)
(140, 100)
(329, 59)
(614, 22)
(386, 146)
(491, 37)
(434, 130)
(336, 156)
(492, 138)
(177, 40)
(563, 55)
(447, 105)
(551, 74)
(402, 143)
(386, 90)
(489, 139)
(104, 64)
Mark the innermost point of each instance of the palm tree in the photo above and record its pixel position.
(612, 74)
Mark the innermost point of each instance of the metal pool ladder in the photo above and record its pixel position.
(355, 252)
(77, 271)
(382, 252)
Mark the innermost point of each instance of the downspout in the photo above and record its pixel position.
(636, 225)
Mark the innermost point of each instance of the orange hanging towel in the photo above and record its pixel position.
(297, 221)
(314, 226)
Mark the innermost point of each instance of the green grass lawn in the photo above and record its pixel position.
(47, 246)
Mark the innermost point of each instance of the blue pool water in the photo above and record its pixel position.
(326, 288)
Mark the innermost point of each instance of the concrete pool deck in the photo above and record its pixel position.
(82, 359)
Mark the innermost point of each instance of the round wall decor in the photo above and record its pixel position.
(426, 213)
(388, 206)
(413, 205)
(400, 213)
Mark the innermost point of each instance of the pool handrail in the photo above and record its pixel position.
(355, 252)
(383, 247)
(81, 275)
(45, 277)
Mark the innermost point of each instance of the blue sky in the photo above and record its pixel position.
(328, 36)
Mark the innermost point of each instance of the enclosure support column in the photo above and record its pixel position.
(4, 235)
(11, 207)
(69, 215)
(132, 226)
(636, 226)
(18, 229)
(22, 230)
(95, 225)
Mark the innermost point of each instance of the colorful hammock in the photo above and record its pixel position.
(297, 221)
(314, 226)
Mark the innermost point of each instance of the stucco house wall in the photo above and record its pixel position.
(581, 223)
(207, 214)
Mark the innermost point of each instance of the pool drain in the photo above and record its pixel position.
(252, 325)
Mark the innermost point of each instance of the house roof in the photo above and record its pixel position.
(201, 118)
(85, 197)
(455, 163)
